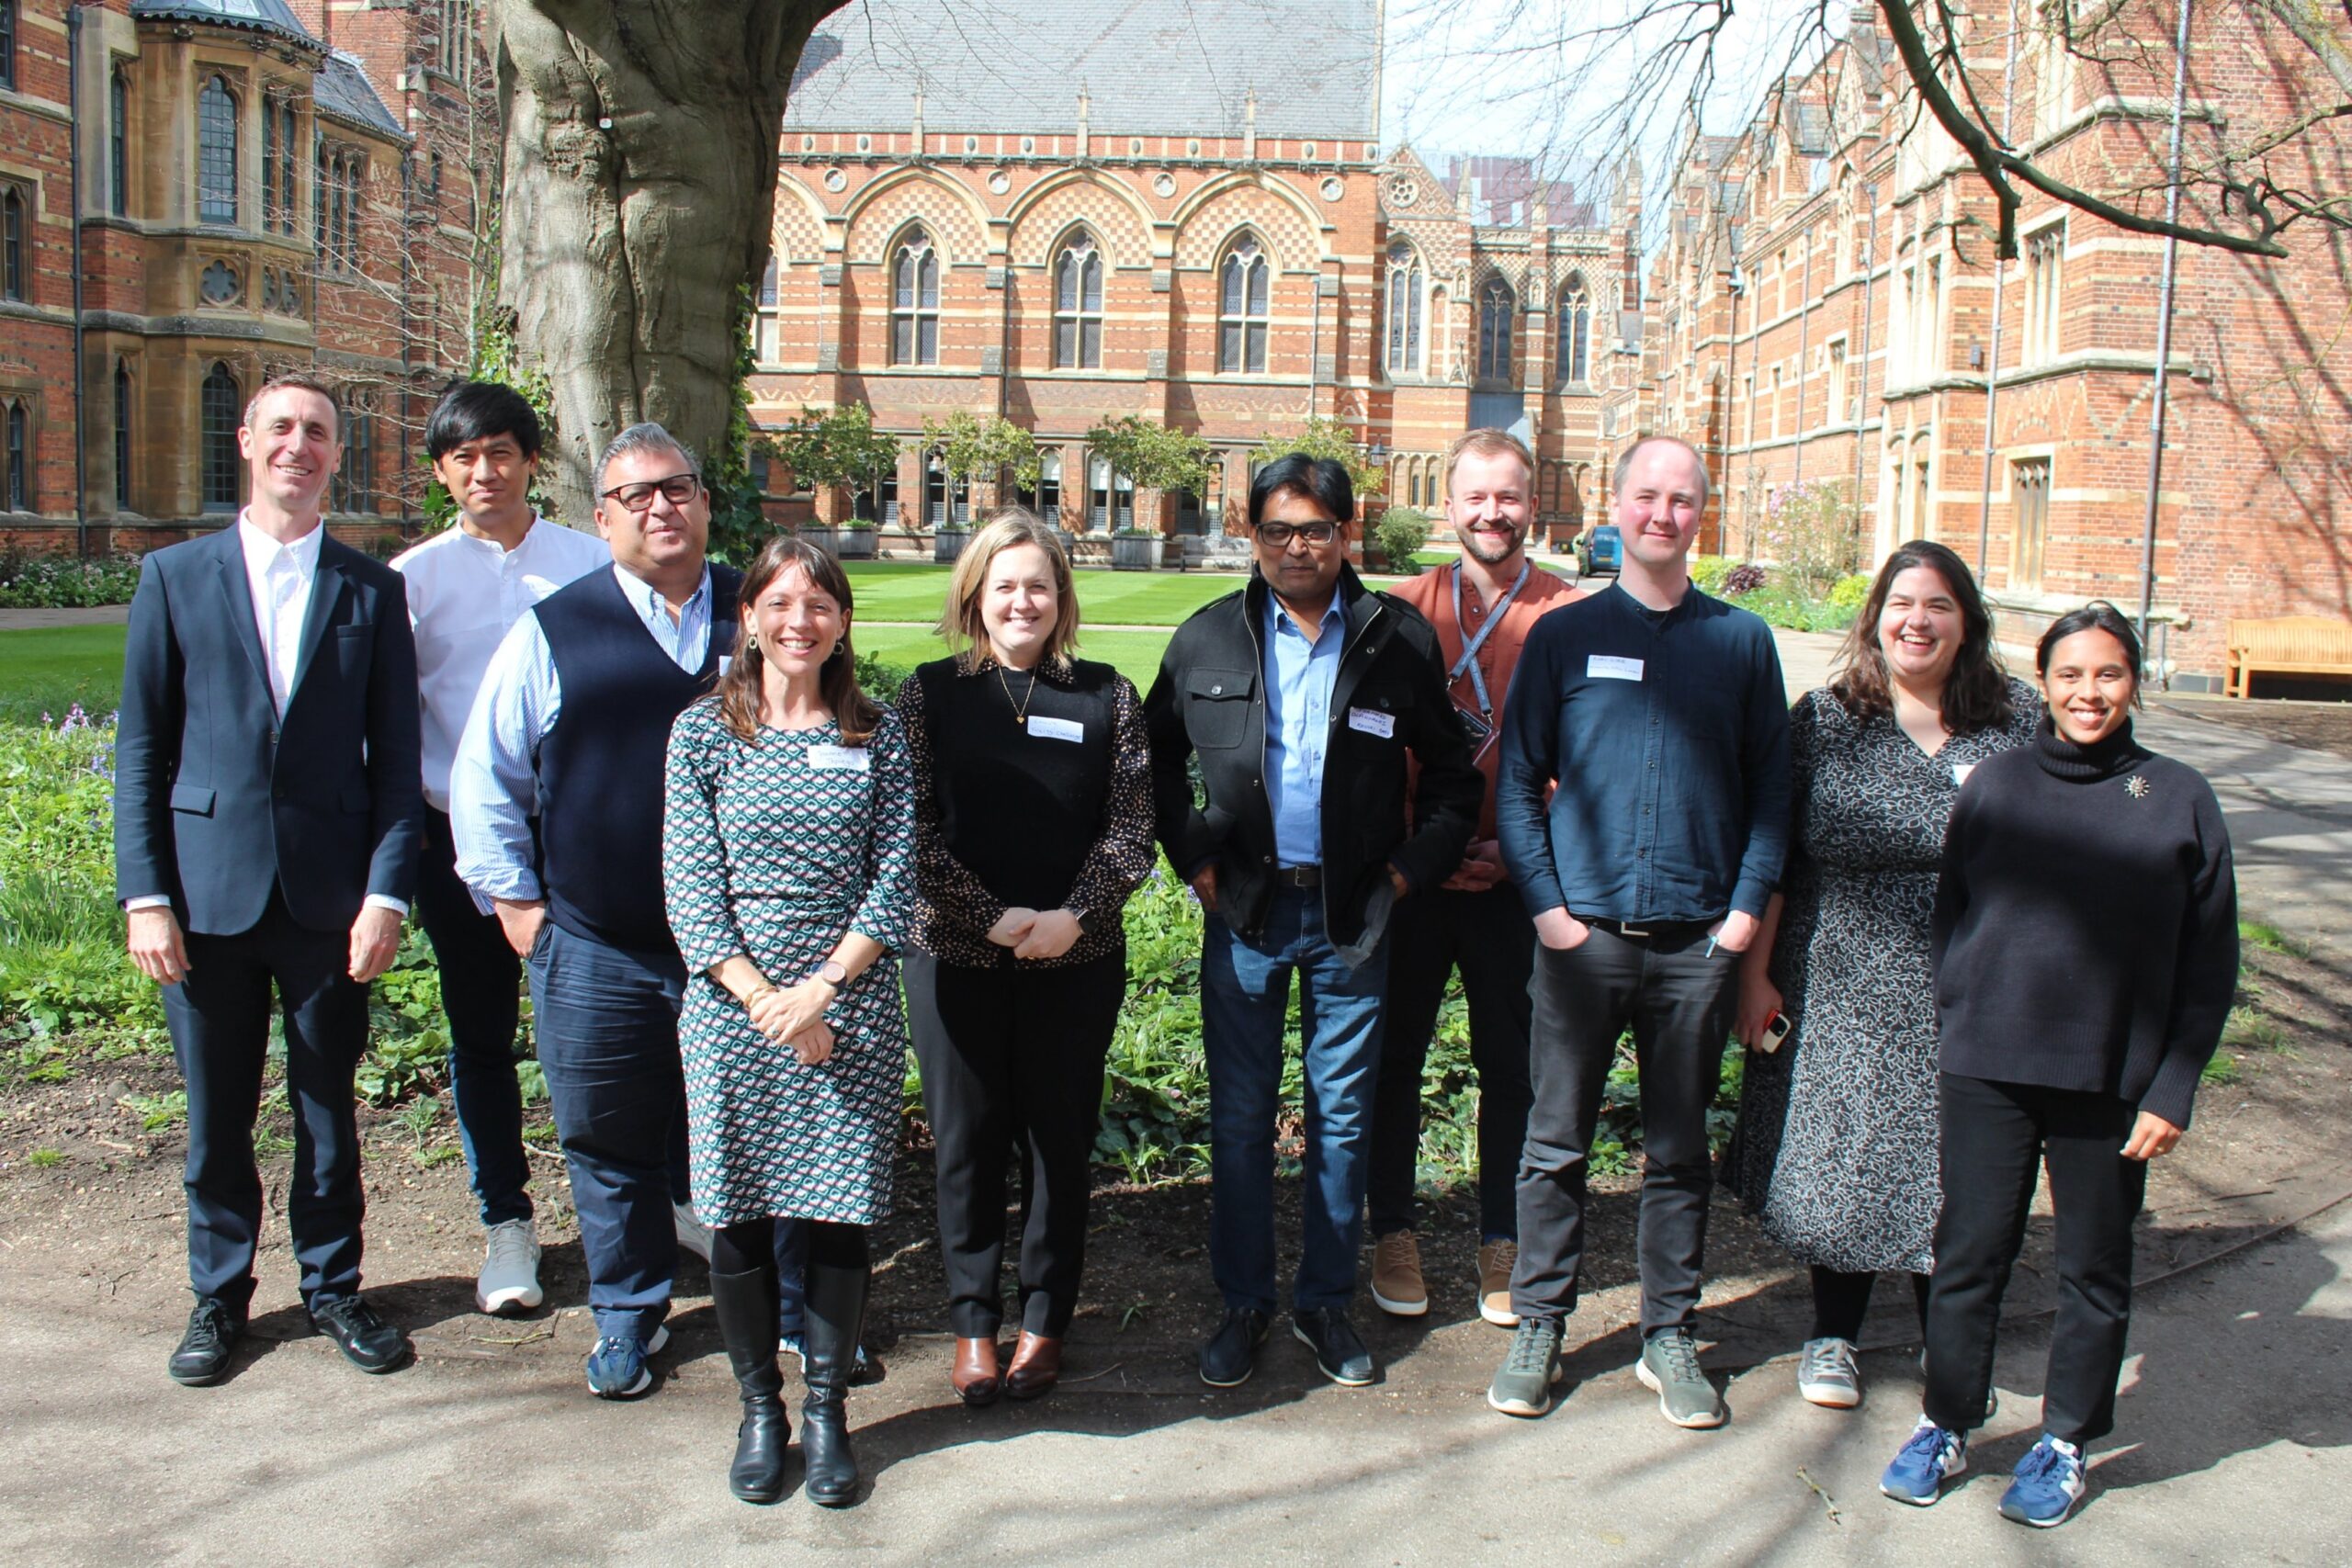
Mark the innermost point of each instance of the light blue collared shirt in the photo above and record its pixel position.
(493, 780)
(1299, 678)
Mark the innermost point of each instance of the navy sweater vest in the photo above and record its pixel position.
(601, 764)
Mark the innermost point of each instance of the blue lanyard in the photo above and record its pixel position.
(1469, 660)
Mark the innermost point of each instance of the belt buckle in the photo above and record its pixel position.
(1627, 929)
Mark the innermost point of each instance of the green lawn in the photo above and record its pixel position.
(1136, 655)
(48, 669)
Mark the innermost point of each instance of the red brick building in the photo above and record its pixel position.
(197, 193)
(1826, 308)
(1203, 232)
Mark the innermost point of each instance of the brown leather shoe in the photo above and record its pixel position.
(1036, 1365)
(974, 1375)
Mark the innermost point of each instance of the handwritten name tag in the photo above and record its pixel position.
(1046, 728)
(1607, 667)
(849, 758)
(1371, 721)
(1960, 771)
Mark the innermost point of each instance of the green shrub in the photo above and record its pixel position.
(1709, 571)
(1400, 532)
(1850, 593)
(65, 583)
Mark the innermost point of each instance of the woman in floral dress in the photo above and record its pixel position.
(788, 863)
(1836, 1149)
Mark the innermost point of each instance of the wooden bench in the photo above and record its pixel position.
(2289, 645)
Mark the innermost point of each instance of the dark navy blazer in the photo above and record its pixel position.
(216, 801)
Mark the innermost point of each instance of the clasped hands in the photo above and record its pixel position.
(795, 1016)
(1035, 933)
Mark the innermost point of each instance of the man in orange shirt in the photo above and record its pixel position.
(1481, 610)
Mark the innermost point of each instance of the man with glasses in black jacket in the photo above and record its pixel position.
(1302, 696)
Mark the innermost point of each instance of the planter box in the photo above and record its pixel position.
(852, 544)
(1138, 552)
(946, 544)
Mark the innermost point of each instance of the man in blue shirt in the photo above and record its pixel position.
(1303, 696)
(1655, 719)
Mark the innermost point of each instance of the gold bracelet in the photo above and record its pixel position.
(762, 989)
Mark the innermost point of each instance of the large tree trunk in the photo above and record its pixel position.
(639, 187)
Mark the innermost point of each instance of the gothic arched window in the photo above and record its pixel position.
(224, 471)
(914, 302)
(1077, 305)
(1404, 291)
(1575, 330)
(1242, 297)
(216, 152)
(1495, 305)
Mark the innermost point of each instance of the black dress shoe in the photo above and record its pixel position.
(1338, 1354)
(1228, 1356)
(203, 1354)
(366, 1340)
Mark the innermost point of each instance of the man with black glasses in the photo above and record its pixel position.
(556, 807)
(1303, 695)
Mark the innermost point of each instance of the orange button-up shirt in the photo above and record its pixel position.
(1432, 594)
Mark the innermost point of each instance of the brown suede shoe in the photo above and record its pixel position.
(1036, 1365)
(974, 1375)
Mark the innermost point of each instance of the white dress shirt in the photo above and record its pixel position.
(464, 595)
(493, 784)
(280, 578)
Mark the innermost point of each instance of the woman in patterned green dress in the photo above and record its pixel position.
(788, 864)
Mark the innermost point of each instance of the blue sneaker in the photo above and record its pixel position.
(617, 1367)
(2049, 1483)
(1930, 1457)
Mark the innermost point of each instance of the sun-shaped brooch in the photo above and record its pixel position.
(2136, 787)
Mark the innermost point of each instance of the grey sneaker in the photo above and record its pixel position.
(1523, 1384)
(1828, 1375)
(1669, 1364)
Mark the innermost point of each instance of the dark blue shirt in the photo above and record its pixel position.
(1667, 734)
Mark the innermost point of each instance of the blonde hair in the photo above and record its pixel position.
(1489, 443)
(1007, 528)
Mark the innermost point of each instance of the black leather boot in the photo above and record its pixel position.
(746, 1307)
(836, 1317)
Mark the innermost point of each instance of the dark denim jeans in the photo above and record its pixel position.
(607, 1025)
(1245, 995)
(479, 997)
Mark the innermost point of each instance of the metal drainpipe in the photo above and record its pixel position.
(1863, 397)
(74, 180)
(1804, 356)
(1993, 362)
(2164, 341)
(1736, 285)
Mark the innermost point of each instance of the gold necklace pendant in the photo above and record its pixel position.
(1020, 708)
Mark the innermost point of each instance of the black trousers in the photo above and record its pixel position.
(219, 1023)
(1679, 997)
(1842, 1300)
(1013, 1052)
(481, 983)
(1995, 1137)
(1490, 936)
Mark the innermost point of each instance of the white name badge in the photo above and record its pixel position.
(1046, 728)
(1371, 721)
(1960, 771)
(851, 758)
(725, 659)
(1607, 667)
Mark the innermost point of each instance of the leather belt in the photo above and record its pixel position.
(1299, 875)
(1643, 930)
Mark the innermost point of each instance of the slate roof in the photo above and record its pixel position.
(1151, 67)
(273, 16)
(343, 91)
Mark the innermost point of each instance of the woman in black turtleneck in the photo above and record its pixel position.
(2085, 953)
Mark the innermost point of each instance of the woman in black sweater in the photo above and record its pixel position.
(2085, 952)
(1033, 825)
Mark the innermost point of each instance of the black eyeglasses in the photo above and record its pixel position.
(677, 489)
(1280, 535)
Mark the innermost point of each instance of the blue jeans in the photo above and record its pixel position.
(608, 1026)
(1245, 994)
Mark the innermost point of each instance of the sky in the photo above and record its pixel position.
(1570, 81)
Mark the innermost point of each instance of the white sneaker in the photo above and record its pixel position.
(1827, 1373)
(693, 1234)
(510, 1269)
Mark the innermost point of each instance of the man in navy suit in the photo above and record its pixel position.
(268, 811)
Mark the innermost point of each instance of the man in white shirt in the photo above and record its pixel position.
(466, 587)
(266, 818)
